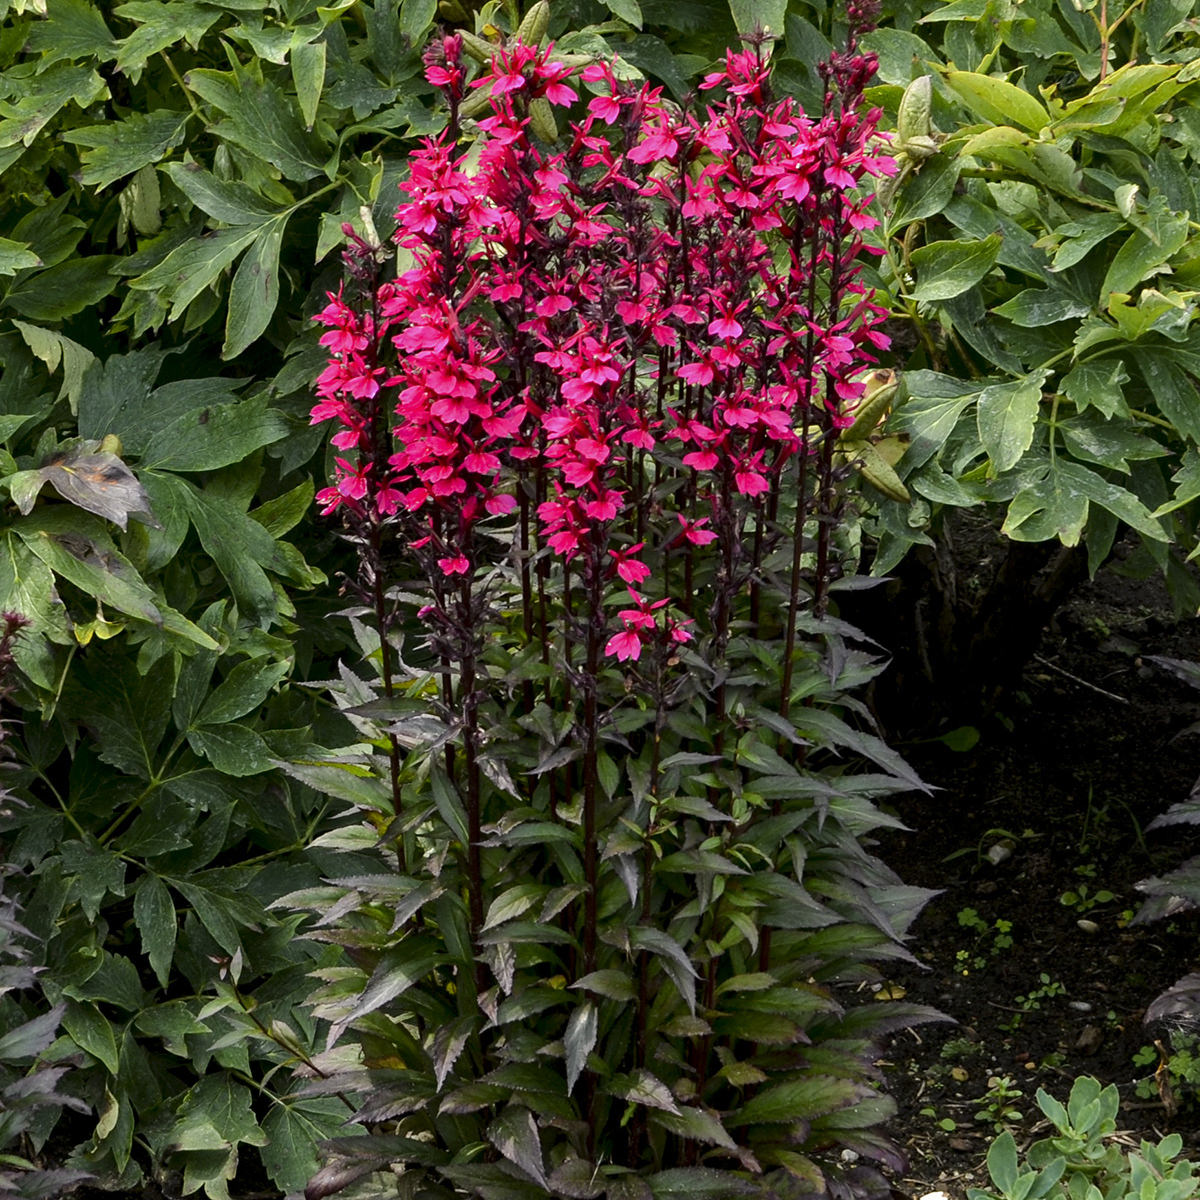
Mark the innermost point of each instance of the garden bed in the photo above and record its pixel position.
(1038, 837)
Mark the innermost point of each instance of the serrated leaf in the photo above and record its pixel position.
(579, 1041)
(641, 1087)
(1122, 503)
(42, 97)
(1006, 414)
(159, 26)
(191, 268)
(230, 201)
(53, 348)
(609, 982)
(213, 911)
(697, 1124)
(294, 1131)
(448, 1044)
(512, 902)
(240, 547)
(1035, 307)
(673, 958)
(797, 1100)
(119, 148)
(946, 269)
(73, 30)
(515, 1134)
(154, 915)
(1097, 385)
(397, 972)
(343, 781)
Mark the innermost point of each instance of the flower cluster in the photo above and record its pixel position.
(671, 296)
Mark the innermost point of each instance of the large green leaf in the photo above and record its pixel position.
(947, 269)
(205, 439)
(41, 96)
(752, 16)
(233, 749)
(997, 100)
(92, 1032)
(73, 30)
(294, 1131)
(16, 256)
(62, 291)
(230, 201)
(240, 547)
(119, 148)
(1007, 413)
(196, 265)
(259, 118)
(159, 25)
(255, 290)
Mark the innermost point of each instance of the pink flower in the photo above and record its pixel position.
(693, 531)
(625, 645)
(628, 568)
(455, 565)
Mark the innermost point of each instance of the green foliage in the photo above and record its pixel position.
(1081, 1161)
(1176, 1076)
(1039, 244)
(701, 846)
(144, 544)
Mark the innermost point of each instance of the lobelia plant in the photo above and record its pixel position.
(592, 445)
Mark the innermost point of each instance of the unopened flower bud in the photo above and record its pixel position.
(913, 119)
(534, 27)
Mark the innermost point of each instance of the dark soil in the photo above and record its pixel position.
(1055, 798)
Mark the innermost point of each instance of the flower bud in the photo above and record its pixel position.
(480, 50)
(913, 120)
(532, 30)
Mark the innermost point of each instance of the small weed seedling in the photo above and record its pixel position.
(990, 940)
(1082, 899)
(945, 1124)
(996, 1104)
(1032, 1002)
(1176, 1077)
